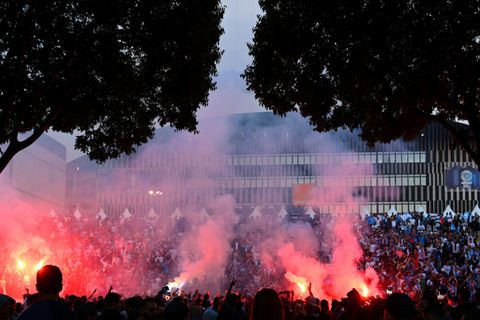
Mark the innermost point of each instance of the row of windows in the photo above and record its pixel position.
(272, 159)
(380, 207)
(400, 206)
(360, 181)
(322, 158)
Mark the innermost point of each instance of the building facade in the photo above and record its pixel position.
(37, 175)
(271, 162)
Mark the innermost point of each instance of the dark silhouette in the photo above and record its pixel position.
(399, 307)
(111, 69)
(371, 65)
(267, 306)
(48, 304)
(176, 310)
(113, 306)
(7, 307)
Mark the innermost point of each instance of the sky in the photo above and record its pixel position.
(231, 95)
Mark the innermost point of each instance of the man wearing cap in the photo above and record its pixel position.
(48, 306)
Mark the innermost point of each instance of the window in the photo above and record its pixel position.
(423, 157)
(289, 158)
(423, 180)
(411, 180)
(417, 180)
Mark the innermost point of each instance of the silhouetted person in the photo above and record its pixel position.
(228, 310)
(399, 307)
(267, 306)
(113, 306)
(7, 307)
(176, 310)
(48, 306)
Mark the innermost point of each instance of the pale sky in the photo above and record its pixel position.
(231, 95)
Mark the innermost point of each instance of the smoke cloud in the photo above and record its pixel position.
(189, 230)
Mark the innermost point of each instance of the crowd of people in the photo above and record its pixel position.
(415, 251)
(266, 304)
(432, 260)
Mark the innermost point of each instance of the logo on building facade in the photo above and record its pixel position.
(462, 177)
(467, 178)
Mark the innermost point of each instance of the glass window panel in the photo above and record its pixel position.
(380, 157)
(386, 181)
(417, 180)
(391, 158)
(411, 181)
(398, 180)
(423, 180)
(423, 157)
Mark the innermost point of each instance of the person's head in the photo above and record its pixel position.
(49, 280)
(324, 305)
(113, 301)
(216, 303)
(267, 305)
(148, 308)
(354, 298)
(86, 311)
(7, 307)
(176, 310)
(399, 307)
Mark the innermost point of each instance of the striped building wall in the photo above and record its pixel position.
(265, 158)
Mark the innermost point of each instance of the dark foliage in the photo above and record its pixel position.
(110, 69)
(386, 67)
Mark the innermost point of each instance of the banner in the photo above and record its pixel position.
(462, 177)
(302, 193)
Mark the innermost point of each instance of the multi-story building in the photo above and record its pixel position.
(271, 162)
(37, 176)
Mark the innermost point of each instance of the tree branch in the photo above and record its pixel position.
(456, 134)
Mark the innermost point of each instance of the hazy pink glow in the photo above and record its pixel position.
(204, 249)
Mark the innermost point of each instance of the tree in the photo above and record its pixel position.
(110, 69)
(386, 67)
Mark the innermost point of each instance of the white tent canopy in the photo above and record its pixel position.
(310, 212)
(152, 214)
(204, 214)
(476, 211)
(392, 211)
(176, 215)
(420, 209)
(448, 212)
(364, 213)
(77, 214)
(101, 215)
(256, 213)
(126, 214)
(282, 213)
